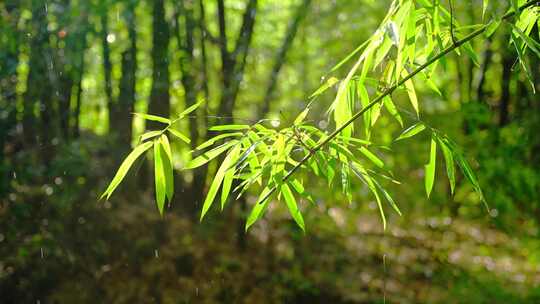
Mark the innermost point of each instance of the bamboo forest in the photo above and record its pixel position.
(269, 151)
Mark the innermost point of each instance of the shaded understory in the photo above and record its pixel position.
(60, 245)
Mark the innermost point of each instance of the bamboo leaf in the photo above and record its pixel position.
(290, 201)
(150, 134)
(328, 84)
(229, 128)
(159, 177)
(208, 156)
(258, 208)
(166, 155)
(181, 136)
(216, 138)
(409, 86)
(191, 108)
(430, 167)
(300, 118)
(124, 168)
(218, 179)
(449, 161)
(372, 157)
(391, 108)
(411, 131)
(229, 175)
(153, 118)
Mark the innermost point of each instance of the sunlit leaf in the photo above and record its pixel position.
(430, 167)
(124, 168)
(159, 177)
(229, 175)
(411, 131)
(191, 109)
(449, 161)
(372, 157)
(290, 201)
(153, 118)
(181, 136)
(167, 166)
(150, 134)
(259, 207)
(218, 179)
(330, 82)
(229, 128)
(208, 156)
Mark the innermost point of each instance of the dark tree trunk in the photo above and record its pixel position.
(107, 65)
(80, 74)
(504, 103)
(233, 64)
(39, 85)
(8, 93)
(159, 96)
(123, 109)
(281, 56)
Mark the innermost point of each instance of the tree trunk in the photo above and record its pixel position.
(281, 56)
(159, 96)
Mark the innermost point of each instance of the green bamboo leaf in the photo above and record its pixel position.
(391, 108)
(531, 44)
(229, 128)
(290, 201)
(191, 108)
(300, 118)
(154, 118)
(449, 161)
(409, 86)
(388, 197)
(259, 207)
(328, 84)
(363, 175)
(430, 167)
(216, 138)
(124, 168)
(229, 175)
(218, 179)
(364, 101)
(159, 176)
(411, 131)
(208, 156)
(150, 134)
(181, 136)
(372, 157)
(166, 155)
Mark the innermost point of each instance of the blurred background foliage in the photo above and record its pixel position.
(73, 71)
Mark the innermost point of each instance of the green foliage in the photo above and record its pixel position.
(413, 38)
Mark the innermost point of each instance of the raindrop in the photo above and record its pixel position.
(58, 181)
(41, 252)
(493, 212)
(46, 8)
(156, 253)
(197, 291)
(14, 175)
(1, 237)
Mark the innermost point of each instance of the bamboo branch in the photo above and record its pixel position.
(389, 91)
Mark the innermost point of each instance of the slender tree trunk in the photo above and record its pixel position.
(78, 101)
(488, 55)
(159, 96)
(107, 65)
(123, 118)
(8, 94)
(281, 55)
(233, 64)
(504, 103)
